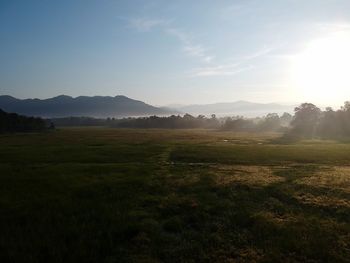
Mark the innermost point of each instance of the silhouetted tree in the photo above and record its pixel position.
(344, 118)
(329, 125)
(305, 120)
(12, 122)
(271, 122)
(239, 124)
(286, 119)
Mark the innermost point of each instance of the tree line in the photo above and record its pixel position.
(271, 122)
(12, 122)
(309, 121)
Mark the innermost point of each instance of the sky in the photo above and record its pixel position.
(177, 52)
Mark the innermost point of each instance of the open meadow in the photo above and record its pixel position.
(119, 195)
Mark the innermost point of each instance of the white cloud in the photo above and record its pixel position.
(228, 69)
(199, 52)
(262, 52)
(221, 70)
(144, 24)
(181, 36)
(333, 26)
(193, 49)
(243, 10)
(189, 47)
(208, 59)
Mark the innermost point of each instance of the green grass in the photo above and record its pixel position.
(110, 195)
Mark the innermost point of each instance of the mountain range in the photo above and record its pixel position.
(121, 106)
(97, 106)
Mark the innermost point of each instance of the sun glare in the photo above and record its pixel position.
(321, 73)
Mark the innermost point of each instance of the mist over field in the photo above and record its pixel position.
(183, 131)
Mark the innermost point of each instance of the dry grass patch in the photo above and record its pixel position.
(250, 175)
(322, 200)
(335, 177)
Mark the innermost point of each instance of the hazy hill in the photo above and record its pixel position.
(245, 108)
(97, 106)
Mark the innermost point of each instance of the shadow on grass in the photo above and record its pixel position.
(245, 223)
(119, 204)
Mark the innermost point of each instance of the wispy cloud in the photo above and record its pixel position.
(243, 9)
(192, 48)
(228, 69)
(333, 26)
(195, 51)
(180, 35)
(189, 47)
(221, 70)
(145, 24)
(199, 52)
(259, 53)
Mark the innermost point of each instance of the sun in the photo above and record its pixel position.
(321, 73)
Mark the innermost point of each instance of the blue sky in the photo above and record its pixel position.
(162, 52)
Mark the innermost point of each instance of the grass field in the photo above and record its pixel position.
(110, 195)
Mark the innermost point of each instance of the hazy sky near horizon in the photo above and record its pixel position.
(177, 52)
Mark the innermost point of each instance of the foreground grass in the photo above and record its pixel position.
(106, 195)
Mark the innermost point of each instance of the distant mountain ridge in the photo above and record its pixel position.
(96, 106)
(122, 106)
(244, 108)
